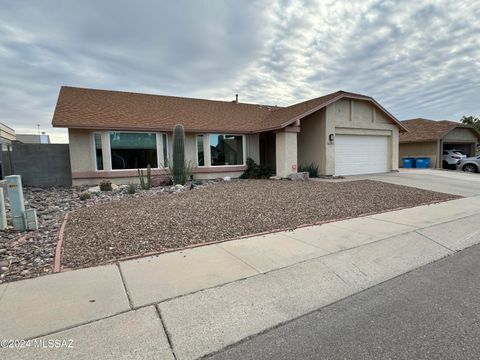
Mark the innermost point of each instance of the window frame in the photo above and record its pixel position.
(159, 145)
(244, 150)
(164, 147)
(196, 150)
(95, 150)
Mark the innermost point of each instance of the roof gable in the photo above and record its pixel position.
(430, 130)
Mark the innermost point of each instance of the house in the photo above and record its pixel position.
(7, 135)
(113, 133)
(429, 138)
(42, 138)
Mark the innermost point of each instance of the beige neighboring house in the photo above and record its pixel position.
(42, 138)
(7, 135)
(429, 138)
(113, 133)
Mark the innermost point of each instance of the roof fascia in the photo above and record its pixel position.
(157, 129)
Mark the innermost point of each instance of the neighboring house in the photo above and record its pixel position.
(7, 135)
(43, 138)
(113, 133)
(429, 138)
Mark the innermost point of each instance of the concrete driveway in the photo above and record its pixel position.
(451, 182)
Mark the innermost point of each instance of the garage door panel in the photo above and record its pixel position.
(361, 154)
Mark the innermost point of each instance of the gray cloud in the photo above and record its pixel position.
(418, 58)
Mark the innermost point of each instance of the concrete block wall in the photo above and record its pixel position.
(42, 164)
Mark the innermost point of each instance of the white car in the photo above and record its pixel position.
(469, 164)
(450, 158)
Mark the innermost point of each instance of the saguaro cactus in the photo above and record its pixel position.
(178, 156)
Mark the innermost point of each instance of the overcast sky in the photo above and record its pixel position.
(417, 58)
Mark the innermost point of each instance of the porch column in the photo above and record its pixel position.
(286, 150)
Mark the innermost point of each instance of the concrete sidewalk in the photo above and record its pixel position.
(200, 300)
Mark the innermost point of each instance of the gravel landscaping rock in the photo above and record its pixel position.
(99, 234)
(30, 254)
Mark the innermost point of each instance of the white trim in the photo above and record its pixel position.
(157, 138)
(95, 150)
(167, 156)
(196, 150)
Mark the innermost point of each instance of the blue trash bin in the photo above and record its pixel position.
(408, 162)
(422, 163)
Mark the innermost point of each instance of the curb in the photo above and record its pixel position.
(58, 250)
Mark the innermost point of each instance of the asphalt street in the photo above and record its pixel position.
(430, 313)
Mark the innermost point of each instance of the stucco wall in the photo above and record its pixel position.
(420, 149)
(353, 117)
(81, 150)
(83, 160)
(460, 135)
(357, 117)
(311, 140)
(286, 153)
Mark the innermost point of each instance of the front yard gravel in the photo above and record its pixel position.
(113, 230)
(31, 253)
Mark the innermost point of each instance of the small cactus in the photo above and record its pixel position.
(149, 177)
(105, 185)
(131, 189)
(145, 181)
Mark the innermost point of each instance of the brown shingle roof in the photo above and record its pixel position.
(428, 130)
(117, 110)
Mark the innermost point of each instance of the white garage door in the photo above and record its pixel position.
(357, 154)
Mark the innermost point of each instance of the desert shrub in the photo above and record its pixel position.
(312, 169)
(145, 180)
(182, 173)
(85, 195)
(131, 189)
(106, 185)
(255, 171)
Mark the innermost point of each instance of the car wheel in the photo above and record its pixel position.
(470, 168)
(445, 165)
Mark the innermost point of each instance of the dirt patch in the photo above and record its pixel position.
(105, 232)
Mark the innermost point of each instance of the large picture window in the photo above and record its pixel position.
(226, 149)
(133, 150)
